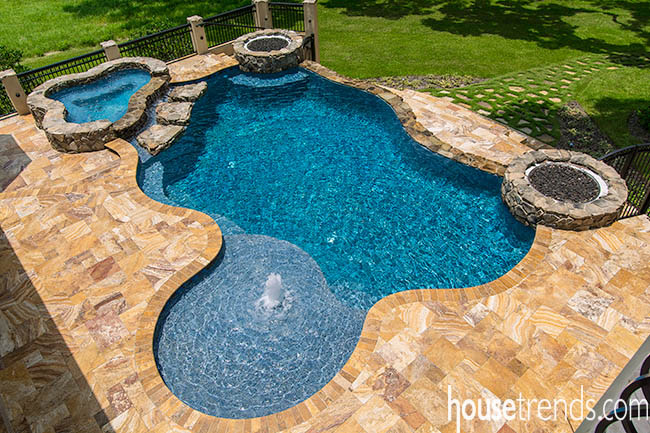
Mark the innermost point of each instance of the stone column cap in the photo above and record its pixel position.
(7, 73)
(310, 1)
(260, 1)
(194, 19)
(109, 43)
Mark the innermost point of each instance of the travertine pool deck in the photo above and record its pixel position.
(85, 255)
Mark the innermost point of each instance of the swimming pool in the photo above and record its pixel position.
(320, 184)
(104, 98)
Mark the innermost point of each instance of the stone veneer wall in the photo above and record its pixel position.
(64, 136)
(269, 61)
(531, 207)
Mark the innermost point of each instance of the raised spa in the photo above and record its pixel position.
(82, 112)
(326, 205)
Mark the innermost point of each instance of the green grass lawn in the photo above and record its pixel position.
(65, 28)
(494, 39)
(609, 97)
(369, 38)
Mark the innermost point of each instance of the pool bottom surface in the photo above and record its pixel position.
(329, 171)
(106, 98)
(293, 349)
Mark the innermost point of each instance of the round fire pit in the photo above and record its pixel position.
(268, 51)
(563, 189)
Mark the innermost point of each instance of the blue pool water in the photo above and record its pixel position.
(319, 183)
(105, 98)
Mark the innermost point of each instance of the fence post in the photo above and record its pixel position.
(263, 16)
(311, 24)
(111, 50)
(199, 40)
(15, 91)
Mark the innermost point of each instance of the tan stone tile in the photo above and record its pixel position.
(444, 355)
(495, 377)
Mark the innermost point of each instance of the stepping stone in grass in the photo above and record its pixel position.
(159, 137)
(523, 122)
(517, 89)
(543, 92)
(526, 130)
(489, 90)
(555, 100)
(485, 105)
(174, 113)
(546, 138)
(484, 113)
(188, 93)
(479, 95)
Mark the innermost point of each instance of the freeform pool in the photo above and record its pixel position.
(104, 98)
(329, 171)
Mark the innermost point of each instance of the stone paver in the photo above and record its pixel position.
(174, 113)
(196, 67)
(159, 137)
(188, 92)
(85, 255)
(467, 131)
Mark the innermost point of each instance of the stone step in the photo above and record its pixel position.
(159, 137)
(188, 92)
(174, 113)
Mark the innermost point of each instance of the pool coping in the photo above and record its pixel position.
(185, 416)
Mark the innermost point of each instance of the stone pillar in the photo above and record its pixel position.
(15, 91)
(311, 24)
(199, 40)
(263, 16)
(111, 50)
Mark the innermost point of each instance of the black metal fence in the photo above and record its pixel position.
(5, 103)
(168, 45)
(228, 26)
(633, 164)
(290, 16)
(34, 78)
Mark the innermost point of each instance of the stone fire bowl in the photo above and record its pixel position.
(531, 207)
(269, 61)
(50, 115)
